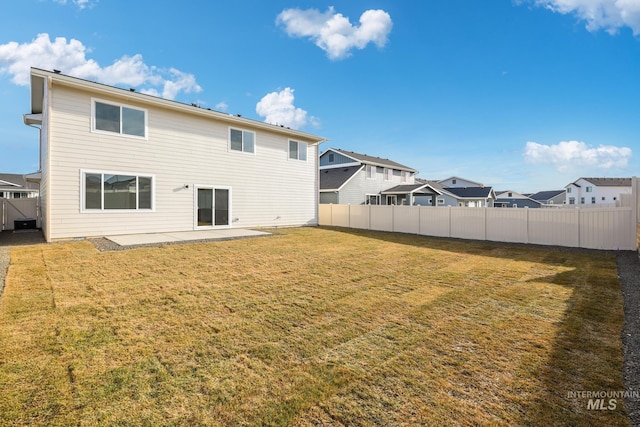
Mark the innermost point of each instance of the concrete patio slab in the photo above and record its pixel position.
(184, 236)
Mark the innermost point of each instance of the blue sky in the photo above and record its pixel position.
(524, 95)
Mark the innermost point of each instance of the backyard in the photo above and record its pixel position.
(310, 326)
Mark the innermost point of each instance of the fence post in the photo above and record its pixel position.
(526, 238)
(578, 225)
(635, 219)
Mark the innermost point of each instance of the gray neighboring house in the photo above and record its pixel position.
(550, 197)
(456, 191)
(352, 178)
(513, 199)
(15, 186)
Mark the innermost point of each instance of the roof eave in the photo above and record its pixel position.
(104, 89)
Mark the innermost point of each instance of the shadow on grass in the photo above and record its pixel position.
(21, 238)
(583, 372)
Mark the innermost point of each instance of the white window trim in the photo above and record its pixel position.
(197, 187)
(255, 142)
(370, 195)
(300, 144)
(118, 134)
(118, 211)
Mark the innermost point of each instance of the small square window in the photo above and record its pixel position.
(242, 140)
(297, 150)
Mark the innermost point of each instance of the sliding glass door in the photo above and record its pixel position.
(213, 207)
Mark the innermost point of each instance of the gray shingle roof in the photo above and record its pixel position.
(407, 188)
(334, 178)
(542, 196)
(470, 192)
(372, 160)
(610, 182)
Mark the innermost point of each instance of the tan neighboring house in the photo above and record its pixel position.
(115, 161)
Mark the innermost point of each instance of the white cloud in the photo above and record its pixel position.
(71, 58)
(568, 155)
(610, 15)
(80, 3)
(221, 106)
(277, 108)
(333, 33)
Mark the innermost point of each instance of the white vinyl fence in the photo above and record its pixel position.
(594, 228)
(12, 209)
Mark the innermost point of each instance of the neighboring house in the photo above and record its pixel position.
(457, 182)
(513, 199)
(456, 191)
(473, 197)
(115, 161)
(352, 178)
(14, 186)
(550, 198)
(595, 191)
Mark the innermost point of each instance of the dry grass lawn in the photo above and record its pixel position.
(313, 326)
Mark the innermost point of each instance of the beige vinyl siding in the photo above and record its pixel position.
(268, 189)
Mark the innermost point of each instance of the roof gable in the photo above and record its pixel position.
(459, 182)
(335, 178)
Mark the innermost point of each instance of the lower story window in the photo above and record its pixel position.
(111, 191)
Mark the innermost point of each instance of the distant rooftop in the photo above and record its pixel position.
(372, 160)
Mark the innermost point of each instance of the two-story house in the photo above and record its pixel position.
(597, 191)
(352, 178)
(115, 161)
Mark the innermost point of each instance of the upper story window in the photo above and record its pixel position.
(388, 174)
(569, 190)
(297, 150)
(119, 119)
(454, 181)
(589, 189)
(242, 140)
(331, 158)
(371, 171)
(110, 191)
